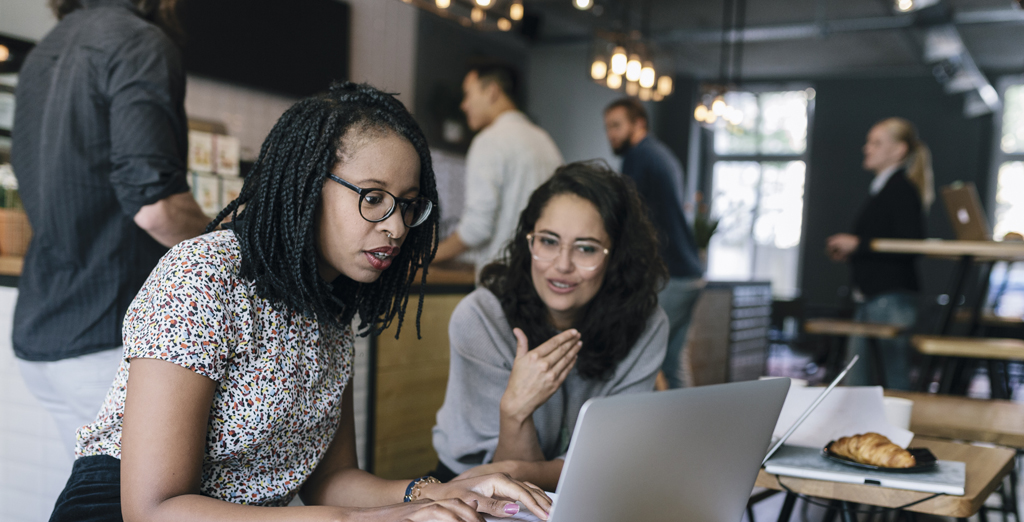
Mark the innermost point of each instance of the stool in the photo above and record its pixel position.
(873, 332)
(995, 350)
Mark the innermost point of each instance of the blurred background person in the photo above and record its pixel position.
(507, 160)
(658, 176)
(885, 286)
(99, 150)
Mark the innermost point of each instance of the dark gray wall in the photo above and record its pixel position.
(845, 109)
(444, 49)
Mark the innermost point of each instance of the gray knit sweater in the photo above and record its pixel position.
(482, 351)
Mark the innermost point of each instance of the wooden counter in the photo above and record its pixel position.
(978, 420)
(11, 265)
(409, 377)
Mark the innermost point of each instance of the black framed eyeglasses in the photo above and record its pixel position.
(376, 205)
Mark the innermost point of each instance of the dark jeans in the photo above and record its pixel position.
(93, 492)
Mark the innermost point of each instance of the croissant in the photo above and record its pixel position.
(873, 449)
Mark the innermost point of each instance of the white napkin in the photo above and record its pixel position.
(848, 410)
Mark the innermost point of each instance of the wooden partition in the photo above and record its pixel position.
(408, 381)
(728, 336)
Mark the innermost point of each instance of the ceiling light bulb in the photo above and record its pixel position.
(477, 15)
(598, 69)
(657, 96)
(904, 5)
(583, 5)
(711, 117)
(614, 81)
(736, 117)
(665, 85)
(504, 24)
(515, 11)
(443, 4)
(647, 76)
(632, 88)
(618, 61)
(5, 53)
(718, 106)
(484, 3)
(701, 112)
(633, 68)
(645, 94)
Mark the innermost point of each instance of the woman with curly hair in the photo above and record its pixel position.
(570, 313)
(233, 394)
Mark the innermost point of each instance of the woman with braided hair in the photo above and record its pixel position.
(233, 394)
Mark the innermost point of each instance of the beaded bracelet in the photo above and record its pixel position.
(412, 491)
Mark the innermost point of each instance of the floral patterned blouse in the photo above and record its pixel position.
(279, 377)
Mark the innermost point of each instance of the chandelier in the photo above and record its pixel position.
(626, 62)
(714, 109)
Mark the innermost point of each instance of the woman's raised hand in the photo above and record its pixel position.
(537, 374)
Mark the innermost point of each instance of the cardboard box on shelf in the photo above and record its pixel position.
(226, 150)
(200, 151)
(230, 188)
(207, 191)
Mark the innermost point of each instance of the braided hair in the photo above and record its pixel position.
(275, 214)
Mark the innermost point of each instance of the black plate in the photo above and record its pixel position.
(925, 460)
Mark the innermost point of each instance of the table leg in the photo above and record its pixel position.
(849, 512)
(997, 380)
(982, 298)
(957, 284)
(876, 354)
(787, 507)
(832, 511)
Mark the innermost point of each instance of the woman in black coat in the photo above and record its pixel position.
(885, 286)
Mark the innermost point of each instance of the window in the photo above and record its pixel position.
(1009, 210)
(757, 171)
(1006, 290)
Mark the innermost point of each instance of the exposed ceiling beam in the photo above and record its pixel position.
(819, 29)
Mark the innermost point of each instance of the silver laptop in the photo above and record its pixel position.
(678, 455)
(965, 212)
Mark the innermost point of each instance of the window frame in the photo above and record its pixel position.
(708, 157)
(999, 157)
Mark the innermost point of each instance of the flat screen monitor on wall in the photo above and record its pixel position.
(291, 47)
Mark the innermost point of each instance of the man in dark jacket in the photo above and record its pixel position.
(659, 177)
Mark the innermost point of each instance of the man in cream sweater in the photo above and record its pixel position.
(507, 160)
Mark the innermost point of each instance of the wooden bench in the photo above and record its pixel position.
(994, 350)
(846, 327)
(873, 332)
(970, 347)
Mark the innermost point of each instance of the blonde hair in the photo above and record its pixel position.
(918, 160)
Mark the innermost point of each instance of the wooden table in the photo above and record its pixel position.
(966, 253)
(982, 250)
(959, 418)
(986, 468)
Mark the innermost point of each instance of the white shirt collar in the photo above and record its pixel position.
(881, 179)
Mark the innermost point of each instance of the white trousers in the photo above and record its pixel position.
(72, 390)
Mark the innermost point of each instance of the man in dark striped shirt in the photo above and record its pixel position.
(99, 149)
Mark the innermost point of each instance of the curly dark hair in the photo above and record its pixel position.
(614, 319)
(276, 229)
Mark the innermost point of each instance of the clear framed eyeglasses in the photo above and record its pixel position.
(376, 205)
(586, 255)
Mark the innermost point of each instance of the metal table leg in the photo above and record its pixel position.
(787, 507)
